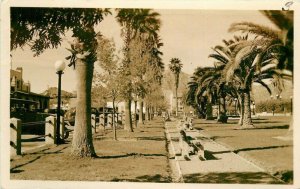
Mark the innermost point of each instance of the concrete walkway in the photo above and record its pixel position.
(224, 166)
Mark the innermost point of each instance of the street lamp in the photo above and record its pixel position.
(59, 67)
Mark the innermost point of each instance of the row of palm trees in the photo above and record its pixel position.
(260, 54)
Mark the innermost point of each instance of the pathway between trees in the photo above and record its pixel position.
(224, 166)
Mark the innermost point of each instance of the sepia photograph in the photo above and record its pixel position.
(131, 94)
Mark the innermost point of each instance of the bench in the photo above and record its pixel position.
(189, 147)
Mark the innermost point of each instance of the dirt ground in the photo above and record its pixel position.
(140, 156)
(258, 145)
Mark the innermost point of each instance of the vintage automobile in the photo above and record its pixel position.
(71, 113)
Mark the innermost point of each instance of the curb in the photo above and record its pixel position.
(170, 144)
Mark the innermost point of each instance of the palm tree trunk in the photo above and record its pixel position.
(114, 123)
(141, 104)
(176, 96)
(128, 121)
(222, 110)
(82, 144)
(247, 121)
(209, 110)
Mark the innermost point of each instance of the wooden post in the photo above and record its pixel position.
(119, 118)
(109, 120)
(93, 121)
(123, 118)
(101, 120)
(50, 130)
(15, 136)
(116, 118)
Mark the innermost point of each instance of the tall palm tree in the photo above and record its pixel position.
(282, 38)
(175, 67)
(134, 22)
(252, 63)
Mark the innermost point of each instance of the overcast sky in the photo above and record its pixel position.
(186, 34)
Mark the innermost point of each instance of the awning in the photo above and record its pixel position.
(17, 100)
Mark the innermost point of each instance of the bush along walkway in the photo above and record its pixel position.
(213, 163)
(140, 156)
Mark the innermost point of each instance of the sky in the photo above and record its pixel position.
(187, 34)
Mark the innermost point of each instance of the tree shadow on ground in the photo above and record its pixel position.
(152, 138)
(146, 178)
(35, 139)
(218, 137)
(40, 154)
(232, 178)
(260, 148)
(128, 155)
(273, 127)
(15, 169)
(259, 122)
(263, 127)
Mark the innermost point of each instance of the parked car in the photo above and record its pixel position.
(71, 113)
(54, 111)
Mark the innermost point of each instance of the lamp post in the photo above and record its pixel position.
(59, 67)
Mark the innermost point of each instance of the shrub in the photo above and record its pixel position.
(278, 106)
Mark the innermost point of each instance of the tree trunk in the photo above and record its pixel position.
(128, 121)
(240, 108)
(147, 113)
(114, 124)
(247, 121)
(209, 111)
(176, 96)
(222, 117)
(135, 116)
(82, 144)
(141, 104)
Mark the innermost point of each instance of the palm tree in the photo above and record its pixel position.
(175, 67)
(43, 28)
(252, 63)
(282, 40)
(134, 22)
(223, 55)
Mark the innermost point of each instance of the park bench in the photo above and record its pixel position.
(189, 147)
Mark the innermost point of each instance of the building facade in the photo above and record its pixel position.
(21, 97)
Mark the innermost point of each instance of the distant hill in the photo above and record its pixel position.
(52, 92)
(169, 82)
(261, 94)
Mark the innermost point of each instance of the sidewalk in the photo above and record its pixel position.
(224, 167)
